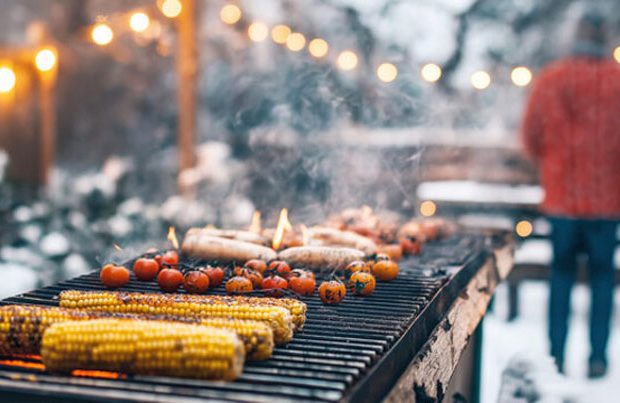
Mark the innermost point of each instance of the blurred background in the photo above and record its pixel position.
(121, 118)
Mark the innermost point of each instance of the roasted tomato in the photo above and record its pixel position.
(169, 280)
(170, 258)
(255, 277)
(216, 275)
(411, 245)
(381, 257)
(146, 269)
(362, 283)
(196, 282)
(385, 270)
(114, 276)
(280, 267)
(358, 265)
(394, 251)
(302, 283)
(257, 265)
(306, 273)
(238, 285)
(332, 292)
(275, 284)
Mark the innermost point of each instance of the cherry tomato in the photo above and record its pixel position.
(114, 276)
(385, 270)
(255, 277)
(306, 273)
(170, 258)
(257, 265)
(238, 285)
(394, 251)
(275, 284)
(302, 285)
(332, 292)
(280, 267)
(146, 269)
(381, 257)
(196, 282)
(410, 245)
(357, 266)
(169, 280)
(216, 275)
(362, 283)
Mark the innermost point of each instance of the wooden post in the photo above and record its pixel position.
(187, 82)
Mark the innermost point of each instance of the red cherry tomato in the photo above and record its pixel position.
(216, 276)
(238, 285)
(170, 258)
(257, 265)
(280, 268)
(114, 276)
(302, 285)
(146, 269)
(411, 246)
(196, 282)
(169, 280)
(275, 285)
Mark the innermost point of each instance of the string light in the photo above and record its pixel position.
(524, 228)
(7, 79)
(617, 54)
(387, 72)
(480, 80)
(139, 22)
(430, 72)
(521, 76)
(318, 47)
(230, 14)
(347, 60)
(258, 31)
(171, 8)
(280, 34)
(428, 208)
(45, 60)
(102, 34)
(295, 42)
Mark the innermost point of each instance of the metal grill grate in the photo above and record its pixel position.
(352, 351)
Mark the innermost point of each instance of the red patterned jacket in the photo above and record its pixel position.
(572, 131)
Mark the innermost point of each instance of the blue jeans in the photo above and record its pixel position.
(597, 239)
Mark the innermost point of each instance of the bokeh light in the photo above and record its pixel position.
(7, 79)
(347, 60)
(387, 72)
(318, 47)
(480, 80)
(139, 22)
(617, 54)
(102, 34)
(171, 8)
(45, 60)
(230, 14)
(430, 72)
(296, 42)
(524, 228)
(428, 208)
(258, 31)
(521, 76)
(280, 34)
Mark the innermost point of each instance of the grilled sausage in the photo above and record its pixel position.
(320, 257)
(334, 237)
(245, 236)
(198, 244)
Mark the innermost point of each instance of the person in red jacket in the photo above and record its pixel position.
(571, 130)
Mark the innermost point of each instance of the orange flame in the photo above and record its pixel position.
(23, 364)
(283, 225)
(255, 226)
(117, 247)
(98, 374)
(305, 235)
(172, 237)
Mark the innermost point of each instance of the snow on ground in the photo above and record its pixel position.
(528, 333)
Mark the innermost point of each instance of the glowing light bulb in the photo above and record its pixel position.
(258, 31)
(480, 80)
(230, 14)
(524, 228)
(617, 54)
(171, 8)
(7, 79)
(295, 42)
(430, 72)
(280, 34)
(387, 72)
(347, 60)
(428, 208)
(102, 34)
(318, 47)
(45, 60)
(139, 22)
(521, 76)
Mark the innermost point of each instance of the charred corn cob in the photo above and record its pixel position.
(143, 347)
(277, 317)
(22, 327)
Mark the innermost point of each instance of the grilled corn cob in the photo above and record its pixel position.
(277, 317)
(143, 347)
(22, 327)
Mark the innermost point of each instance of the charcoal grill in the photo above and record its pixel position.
(355, 351)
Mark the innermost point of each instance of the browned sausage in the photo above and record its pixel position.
(239, 235)
(320, 257)
(334, 237)
(198, 244)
